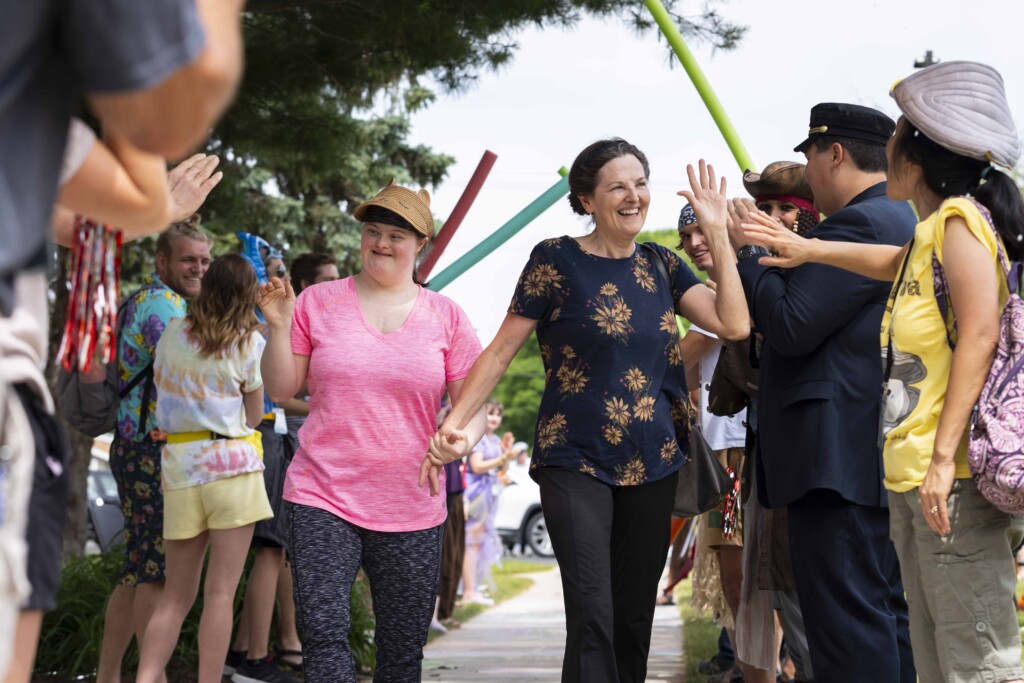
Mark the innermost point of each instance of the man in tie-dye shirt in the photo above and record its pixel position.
(182, 257)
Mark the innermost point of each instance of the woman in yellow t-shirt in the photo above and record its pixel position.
(954, 547)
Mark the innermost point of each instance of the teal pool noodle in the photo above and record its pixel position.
(501, 235)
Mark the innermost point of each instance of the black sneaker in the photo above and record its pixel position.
(712, 666)
(260, 671)
(234, 660)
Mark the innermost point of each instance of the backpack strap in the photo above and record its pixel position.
(889, 357)
(1012, 272)
(145, 374)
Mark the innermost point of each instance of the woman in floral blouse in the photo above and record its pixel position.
(606, 455)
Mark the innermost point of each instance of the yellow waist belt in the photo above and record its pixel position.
(256, 439)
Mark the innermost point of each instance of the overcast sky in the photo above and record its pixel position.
(563, 90)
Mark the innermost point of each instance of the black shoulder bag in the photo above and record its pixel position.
(703, 482)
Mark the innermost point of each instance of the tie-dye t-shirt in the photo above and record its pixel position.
(200, 393)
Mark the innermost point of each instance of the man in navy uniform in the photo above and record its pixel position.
(819, 401)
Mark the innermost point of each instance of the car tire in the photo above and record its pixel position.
(536, 535)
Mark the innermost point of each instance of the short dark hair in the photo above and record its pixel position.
(305, 266)
(589, 162)
(867, 156)
(949, 174)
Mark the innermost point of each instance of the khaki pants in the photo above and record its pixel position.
(960, 588)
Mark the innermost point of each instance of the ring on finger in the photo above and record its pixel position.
(934, 509)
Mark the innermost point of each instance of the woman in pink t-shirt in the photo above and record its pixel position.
(377, 352)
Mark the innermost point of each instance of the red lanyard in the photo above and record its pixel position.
(94, 266)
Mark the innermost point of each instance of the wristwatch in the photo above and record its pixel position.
(751, 250)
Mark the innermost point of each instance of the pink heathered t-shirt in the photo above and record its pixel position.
(373, 404)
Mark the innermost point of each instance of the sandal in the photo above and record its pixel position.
(279, 657)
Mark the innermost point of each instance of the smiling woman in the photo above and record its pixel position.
(377, 351)
(607, 456)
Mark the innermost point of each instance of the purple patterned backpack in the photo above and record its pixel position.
(995, 450)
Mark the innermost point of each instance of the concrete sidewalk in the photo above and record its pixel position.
(522, 641)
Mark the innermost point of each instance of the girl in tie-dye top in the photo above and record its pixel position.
(210, 396)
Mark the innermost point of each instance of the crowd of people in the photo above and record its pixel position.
(301, 416)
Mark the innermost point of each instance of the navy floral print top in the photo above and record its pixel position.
(614, 387)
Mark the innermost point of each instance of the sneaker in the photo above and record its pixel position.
(436, 625)
(733, 674)
(479, 599)
(234, 660)
(260, 671)
(712, 666)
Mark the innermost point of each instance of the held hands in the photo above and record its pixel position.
(447, 445)
(277, 301)
(190, 183)
(707, 197)
(790, 250)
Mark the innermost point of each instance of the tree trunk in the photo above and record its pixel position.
(76, 528)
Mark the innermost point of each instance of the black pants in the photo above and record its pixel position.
(452, 553)
(611, 543)
(851, 594)
(403, 569)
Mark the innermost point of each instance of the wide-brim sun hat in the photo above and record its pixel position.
(962, 107)
(777, 179)
(414, 207)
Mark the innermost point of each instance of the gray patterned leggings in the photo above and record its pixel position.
(403, 569)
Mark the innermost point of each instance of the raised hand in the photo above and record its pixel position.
(707, 197)
(276, 300)
(190, 183)
(788, 249)
(740, 211)
(507, 441)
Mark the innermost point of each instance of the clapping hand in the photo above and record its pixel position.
(276, 300)
(789, 250)
(189, 184)
(707, 198)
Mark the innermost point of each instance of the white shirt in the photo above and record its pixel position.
(720, 432)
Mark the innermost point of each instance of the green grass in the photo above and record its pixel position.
(508, 583)
(700, 633)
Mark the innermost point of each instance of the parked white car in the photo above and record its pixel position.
(520, 520)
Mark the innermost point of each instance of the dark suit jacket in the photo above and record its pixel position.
(821, 368)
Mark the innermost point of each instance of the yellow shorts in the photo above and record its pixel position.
(729, 457)
(222, 504)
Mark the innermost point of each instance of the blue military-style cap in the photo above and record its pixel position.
(836, 119)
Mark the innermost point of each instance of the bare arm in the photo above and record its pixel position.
(253, 402)
(877, 261)
(722, 312)
(283, 372)
(467, 421)
(973, 293)
(175, 115)
(294, 406)
(488, 370)
(122, 185)
(104, 188)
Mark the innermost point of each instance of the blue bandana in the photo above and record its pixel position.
(687, 216)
